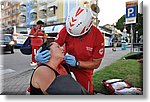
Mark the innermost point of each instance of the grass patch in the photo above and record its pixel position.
(129, 70)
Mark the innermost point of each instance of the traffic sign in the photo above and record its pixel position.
(131, 12)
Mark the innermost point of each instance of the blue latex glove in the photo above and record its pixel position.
(42, 57)
(71, 60)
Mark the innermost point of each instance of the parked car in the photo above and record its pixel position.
(7, 43)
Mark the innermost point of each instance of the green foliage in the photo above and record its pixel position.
(137, 27)
(129, 70)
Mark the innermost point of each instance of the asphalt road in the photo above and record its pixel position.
(15, 70)
(13, 64)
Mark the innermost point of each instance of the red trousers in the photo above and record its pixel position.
(34, 51)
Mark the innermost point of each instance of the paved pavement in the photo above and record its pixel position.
(17, 85)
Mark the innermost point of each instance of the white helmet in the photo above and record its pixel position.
(79, 21)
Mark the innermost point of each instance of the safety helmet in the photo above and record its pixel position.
(79, 21)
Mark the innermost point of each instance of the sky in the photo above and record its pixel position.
(111, 10)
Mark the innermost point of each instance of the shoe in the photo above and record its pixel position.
(34, 68)
(28, 90)
(33, 64)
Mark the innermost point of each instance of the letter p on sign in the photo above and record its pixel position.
(131, 12)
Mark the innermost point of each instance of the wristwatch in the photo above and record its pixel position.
(78, 64)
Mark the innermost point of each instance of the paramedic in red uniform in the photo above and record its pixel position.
(36, 41)
(84, 44)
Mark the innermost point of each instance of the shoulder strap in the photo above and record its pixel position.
(66, 68)
(50, 68)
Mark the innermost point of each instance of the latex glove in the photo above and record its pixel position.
(42, 57)
(71, 60)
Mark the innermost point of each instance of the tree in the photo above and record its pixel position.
(136, 27)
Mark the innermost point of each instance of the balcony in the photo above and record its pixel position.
(52, 4)
(43, 2)
(23, 4)
(42, 14)
(33, 11)
(44, 20)
(34, 4)
(23, 14)
(43, 7)
(33, 23)
(23, 9)
(22, 20)
(33, 16)
(50, 1)
(52, 19)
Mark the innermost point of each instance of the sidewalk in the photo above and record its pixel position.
(18, 84)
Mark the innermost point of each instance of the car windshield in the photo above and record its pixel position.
(7, 38)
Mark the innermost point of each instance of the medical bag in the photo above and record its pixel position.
(120, 87)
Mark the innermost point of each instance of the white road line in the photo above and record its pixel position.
(4, 71)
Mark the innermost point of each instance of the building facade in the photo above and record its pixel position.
(10, 11)
(27, 12)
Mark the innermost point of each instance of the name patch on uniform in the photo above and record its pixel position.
(89, 48)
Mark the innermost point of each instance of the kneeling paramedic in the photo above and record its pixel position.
(84, 44)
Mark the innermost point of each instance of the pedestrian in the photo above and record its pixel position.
(36, 40)
(51, 77)
(114, 42)
(84, 44)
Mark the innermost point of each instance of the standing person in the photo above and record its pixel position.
(36, 41)
(84, 44)
(114, 41)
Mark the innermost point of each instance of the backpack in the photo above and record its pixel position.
(120, 87)
(26, 48)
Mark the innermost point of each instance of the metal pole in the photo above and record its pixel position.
(97, 14)
(132, 38)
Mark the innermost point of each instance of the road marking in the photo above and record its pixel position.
(4, 71)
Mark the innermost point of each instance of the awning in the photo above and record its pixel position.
(53, 29)
(52, 19)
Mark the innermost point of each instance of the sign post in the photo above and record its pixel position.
(131, 14)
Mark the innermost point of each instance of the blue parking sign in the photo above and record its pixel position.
(131, 11)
